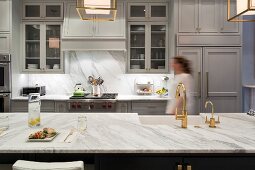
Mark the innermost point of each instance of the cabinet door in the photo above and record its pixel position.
(138, 11)
(32, 46)
(112, 28)
(158, 47)
(188, 16)
(53, 11)
(5, 11)
(225, 25)
(54, 59)
(158, 11)
(32, 10)
(149, 108)
(194, 55)
(4, 43)
(208, 16)
(137, 53)
(61, 107)
(74, 27)
(222, 78)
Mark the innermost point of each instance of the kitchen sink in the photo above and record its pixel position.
(194, 120)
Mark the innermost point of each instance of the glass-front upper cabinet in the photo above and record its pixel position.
(158, 47)
(43, 10)
(32, 46)
(42, 47)
(147, 50)
(137, 47)
(147, 11)
(53, 55)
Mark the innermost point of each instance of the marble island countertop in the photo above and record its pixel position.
(126, 133)
(119, 98)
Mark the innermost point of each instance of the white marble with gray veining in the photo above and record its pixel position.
(123, 133)
(109, 65)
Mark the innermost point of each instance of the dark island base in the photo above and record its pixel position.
(144, 161)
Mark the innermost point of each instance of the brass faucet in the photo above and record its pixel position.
(184, 116)
(212, 121)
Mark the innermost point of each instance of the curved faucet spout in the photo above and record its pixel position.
(209, 102)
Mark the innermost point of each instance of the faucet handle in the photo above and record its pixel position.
(218, 120)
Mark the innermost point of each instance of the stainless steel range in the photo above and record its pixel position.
(89, 103)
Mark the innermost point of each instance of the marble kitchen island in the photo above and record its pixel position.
(115, 139)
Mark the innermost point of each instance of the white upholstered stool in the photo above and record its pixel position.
(30, 165)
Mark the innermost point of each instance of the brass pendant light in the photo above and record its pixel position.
(242, 8)
(97, 10)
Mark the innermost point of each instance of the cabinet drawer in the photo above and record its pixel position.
(61, 107)
(22, 106)
(48, 106)
(19, 106)
(149, 108)
(4, 43)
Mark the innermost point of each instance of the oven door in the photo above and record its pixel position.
(5, 77)
(5, 102)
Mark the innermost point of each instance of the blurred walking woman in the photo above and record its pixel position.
(183, 74)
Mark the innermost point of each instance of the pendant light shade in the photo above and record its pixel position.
(97, 10)
(239, 8)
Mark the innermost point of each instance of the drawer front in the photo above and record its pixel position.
(48, 106)
(4, 43)
(149, 108)
(19, 106)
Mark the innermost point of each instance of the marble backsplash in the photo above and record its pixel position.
(109, 65)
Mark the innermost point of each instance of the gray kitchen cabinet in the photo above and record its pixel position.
(147, 47)
(42, 47)
(225, 25)
(149, 107)
(5, 13)
(198, 16)
(195, 56)
(74, 27)
(42, 10)
(22, 106)
(61, 107)
(138, 11)
(4, 43)
(123, 107)
(221, 86)
(205, 16)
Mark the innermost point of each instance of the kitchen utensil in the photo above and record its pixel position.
(69, 134)
(91, 79)
(100, 81)
(78, 90)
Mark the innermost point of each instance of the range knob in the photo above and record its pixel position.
(73, 105)
(109, 105)
(104, 105)
(79, 105)
(91, 106)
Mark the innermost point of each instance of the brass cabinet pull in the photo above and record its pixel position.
(189, 167)
(199, 84)
(207, 84)
(179, 167)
